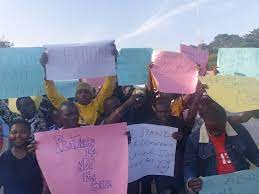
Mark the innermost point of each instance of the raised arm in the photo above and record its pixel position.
(105, 92)
(118, 114)
(55, 98)
(192, 113)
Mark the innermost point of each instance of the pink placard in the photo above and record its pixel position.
(174, 73)
(199, 56)
(92, 160)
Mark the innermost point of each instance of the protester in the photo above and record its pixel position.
(69, 115)
(49, 112)
(218, 147)
(123, 93)
(115, 112)
(90, 108)
(54, 118)
(20, 172)
(162, 116)
(198, 105)
(27, 109)
(141, 111)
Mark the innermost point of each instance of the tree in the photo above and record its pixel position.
(252, 39)
(5, 44)
(230, 41)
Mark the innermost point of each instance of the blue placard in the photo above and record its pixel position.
(242, 182)
(21, 72)
(239, 61)
(67, 88)
(132, 66)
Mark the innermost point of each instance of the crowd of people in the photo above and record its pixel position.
(210, 141)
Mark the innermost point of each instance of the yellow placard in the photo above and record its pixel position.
(234, 93)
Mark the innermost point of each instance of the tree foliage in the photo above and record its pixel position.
(230, 41)
(5, 44)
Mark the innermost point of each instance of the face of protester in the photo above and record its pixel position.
(69, 116)
(55, 117)
(27, 108)
(110, 105)
(19, 135)
(140, 101)
(84, 96)
(162, 112)
(203, 106)
(127, 91)
(215, 127)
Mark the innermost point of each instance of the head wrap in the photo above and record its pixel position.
(84, 86)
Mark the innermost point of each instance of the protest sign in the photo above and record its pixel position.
(238, 61)
(95, 82)
(132, 66)
(21, 72)
(234, 93)
(74, 61)
(199, 56)
(89, 160)
(234, 183)
(152, 151)
(252, 127)
(174, 73)
(66, 88)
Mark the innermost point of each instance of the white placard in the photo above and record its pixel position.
(74, 61)
(152, 151)
(253, 128)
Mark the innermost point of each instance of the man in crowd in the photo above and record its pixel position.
(27, 109)
(115, 111)
(218, 147)
(162, 116)
(69, 117)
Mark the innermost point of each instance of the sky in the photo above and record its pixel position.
(160, 24)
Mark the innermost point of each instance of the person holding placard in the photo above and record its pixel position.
(89, 107)
(68, 117)
(20, 172)
(162, 116)
(219, 147)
